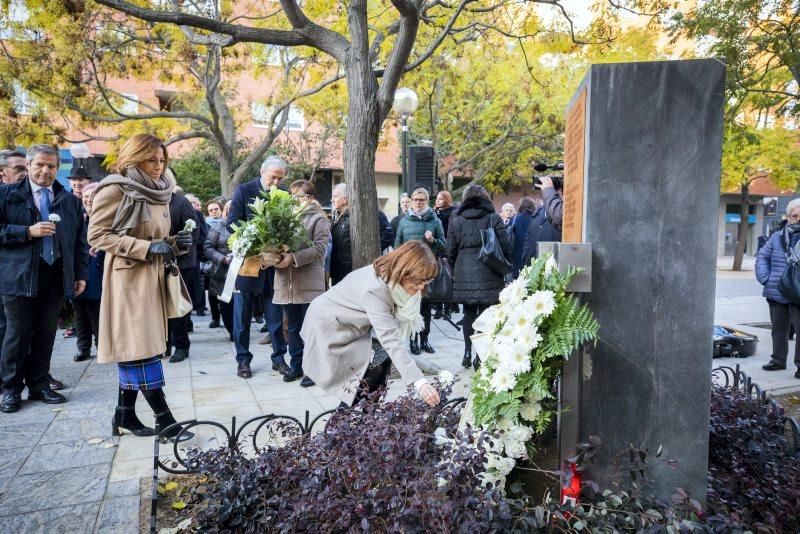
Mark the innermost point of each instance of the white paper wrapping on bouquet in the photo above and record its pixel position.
(480, 345)
(230, 280)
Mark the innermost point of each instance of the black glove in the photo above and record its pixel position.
(183, 239)
(159, 248)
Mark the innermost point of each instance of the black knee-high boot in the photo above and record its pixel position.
(125, 415)
(164, 418)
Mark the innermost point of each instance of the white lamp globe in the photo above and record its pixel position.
(80, 151)
(405, 101)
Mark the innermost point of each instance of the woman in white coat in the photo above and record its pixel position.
(377, 307)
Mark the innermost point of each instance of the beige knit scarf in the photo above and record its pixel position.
(138, 192)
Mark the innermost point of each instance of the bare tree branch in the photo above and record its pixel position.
(238, 32)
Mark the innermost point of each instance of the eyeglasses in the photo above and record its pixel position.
(17, 168)
(417, 281)
(419, 199)
(300, 197)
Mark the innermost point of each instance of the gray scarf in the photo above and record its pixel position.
(138, 192)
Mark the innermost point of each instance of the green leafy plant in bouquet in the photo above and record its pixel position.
(276, 227)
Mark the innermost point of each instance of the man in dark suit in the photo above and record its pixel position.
(273, 171)
(44, 254)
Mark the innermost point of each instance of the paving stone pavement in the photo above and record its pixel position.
(62, 471)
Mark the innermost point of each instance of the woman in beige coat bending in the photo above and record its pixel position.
(130, 222)
(375, 307)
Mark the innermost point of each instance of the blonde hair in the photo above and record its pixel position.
(137, 150)
(413, 259)
(421, 191)
(304, 186)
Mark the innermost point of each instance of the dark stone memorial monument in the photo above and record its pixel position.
(642, 175)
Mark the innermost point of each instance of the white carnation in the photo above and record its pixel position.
(530, 410)
(514, 441)
(499, 464)
(445, 377)
(502, 380)
(54, 218)
(189, 225)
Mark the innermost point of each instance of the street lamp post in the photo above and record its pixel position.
(80, 152)
(405, 103)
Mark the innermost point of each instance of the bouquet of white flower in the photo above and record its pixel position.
(529, 334)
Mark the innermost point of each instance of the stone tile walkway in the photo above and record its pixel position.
(62, 471)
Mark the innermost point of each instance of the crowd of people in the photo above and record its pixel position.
(104, 248)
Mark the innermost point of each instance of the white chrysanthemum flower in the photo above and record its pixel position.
(519, 320)
(542, 303)
(529, 338)
(189, 225)
(54, 218)
(446, 377)
(502, 380)
(514, 293)
(516, 361)
(530, 410)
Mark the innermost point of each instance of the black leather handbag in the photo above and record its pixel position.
(789, 284)
(441, 289)
(491, 253)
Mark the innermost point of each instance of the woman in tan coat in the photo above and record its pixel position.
(300, 277)
(131, 223)
(341, 350)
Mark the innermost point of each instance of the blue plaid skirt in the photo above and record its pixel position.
(141, 374)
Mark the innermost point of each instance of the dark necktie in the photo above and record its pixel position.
(48, 250)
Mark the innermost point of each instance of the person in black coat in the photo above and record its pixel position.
(541, 229)
(252, 288)
(475, 285)
(199, 294)
(519, 226)
(45, 257)
(405, 205)
(341, 252)
(180, 211)
(444, 208)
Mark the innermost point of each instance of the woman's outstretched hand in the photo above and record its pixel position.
(429, 394)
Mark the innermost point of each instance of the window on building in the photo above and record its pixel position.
(24, 104)
(261, 113)
(127, 104)
(17, 13)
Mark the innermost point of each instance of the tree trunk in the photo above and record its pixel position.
(360, 145)
(227, 184)
(741, 240)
